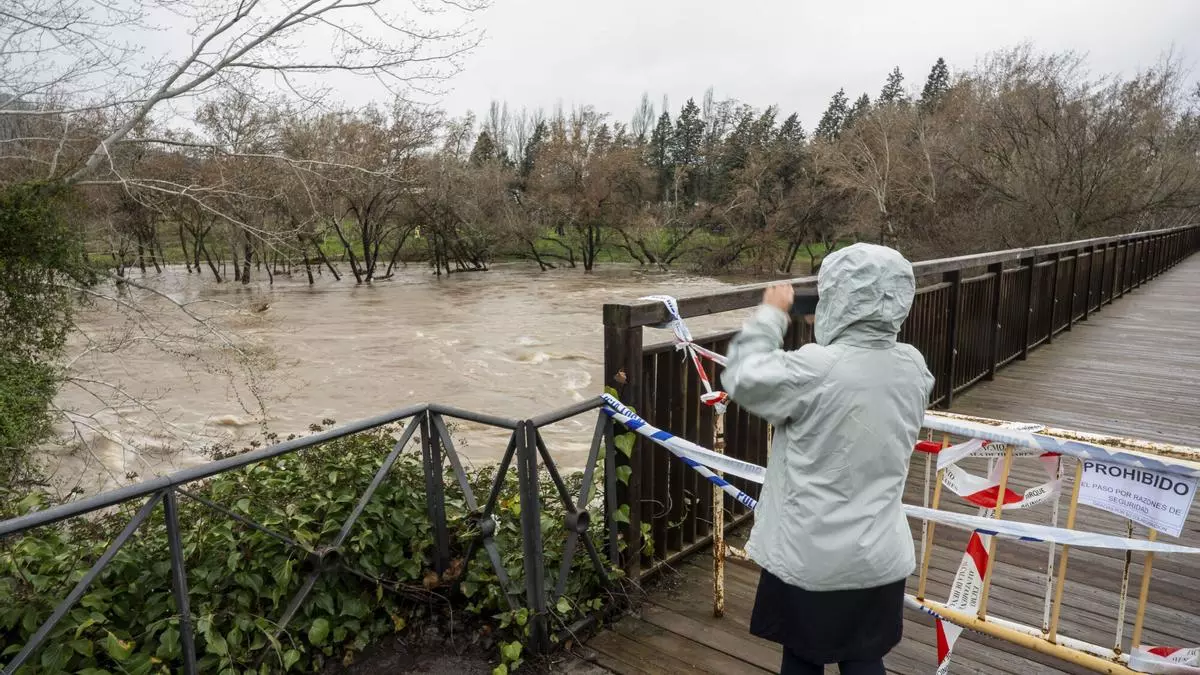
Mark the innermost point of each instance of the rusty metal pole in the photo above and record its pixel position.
(1147, 566)
(1049, 598)
(718, 508)
(1124, 590)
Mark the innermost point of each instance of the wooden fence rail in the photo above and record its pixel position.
(972, 315)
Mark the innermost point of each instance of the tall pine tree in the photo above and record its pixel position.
(893, 89)
(689, 137)
(659, 152)
(937, 84)
(792, 133)
(532, 148)
(860, 108)
(835, 116)
(484, 150)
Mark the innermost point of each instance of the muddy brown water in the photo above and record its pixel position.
(512, 341)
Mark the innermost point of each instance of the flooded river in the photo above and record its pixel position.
(512, 341)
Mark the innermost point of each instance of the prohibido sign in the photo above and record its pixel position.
(1158, 500)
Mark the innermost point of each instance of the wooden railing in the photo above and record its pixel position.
(972, 315)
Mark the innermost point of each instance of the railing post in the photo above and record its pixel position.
(610, 492)
(1125, 267)
(997, 270)
(1031, 265)
(1053, 296)
(1116, 273)
(623, 372)
(1087, 295)
(1101, 275)
(954, 278)
(1143, 244)
(431, 458)
(1074, 288)
(179, 585)
(531, 536)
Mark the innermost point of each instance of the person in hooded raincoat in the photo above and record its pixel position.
(829, 532)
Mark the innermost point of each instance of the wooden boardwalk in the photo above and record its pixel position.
(1133, 369)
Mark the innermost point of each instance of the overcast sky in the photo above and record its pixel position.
(793, 53)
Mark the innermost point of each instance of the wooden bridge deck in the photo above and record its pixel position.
(1133, 370)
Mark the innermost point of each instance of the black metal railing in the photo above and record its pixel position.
(526, 453)
(971, 316)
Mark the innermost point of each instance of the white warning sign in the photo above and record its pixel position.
(1158, 500)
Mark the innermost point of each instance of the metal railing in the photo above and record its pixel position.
(526, 453)
(972, 315)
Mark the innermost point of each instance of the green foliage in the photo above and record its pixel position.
(860, 108)
(41, 259)
(241, 579)
(893, 89)
(937, 84)
(830, 126)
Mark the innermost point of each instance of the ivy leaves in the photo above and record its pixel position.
(240, 579)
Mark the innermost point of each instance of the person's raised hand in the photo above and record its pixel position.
(780, 296)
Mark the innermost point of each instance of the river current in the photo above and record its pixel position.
(156, 390)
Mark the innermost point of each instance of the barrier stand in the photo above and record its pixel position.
(927, 546)
(1124, 590)
(718, 506)
(1147, 565)
(1052, 631)
(1058, 474)
(996, 630)
(925, 494)
(987, 573)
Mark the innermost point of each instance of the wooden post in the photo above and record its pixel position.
(623, 372)
(1074, 289)
(928, 546)
(1054, 296)
(1087, 294)
(1147, 567)
(994, 337)
(1031, 265)
(954, 278)
(987, 573)
(1116, 275)
(1066, 549)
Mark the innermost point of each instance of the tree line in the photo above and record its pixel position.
(1026, 148)
(96, 179)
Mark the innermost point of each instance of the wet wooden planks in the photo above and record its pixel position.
(1132, 369)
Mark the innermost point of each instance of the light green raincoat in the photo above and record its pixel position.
(846, 412)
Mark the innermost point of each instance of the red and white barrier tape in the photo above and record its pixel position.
(965, 593)
(1167, 660)
(716, 398)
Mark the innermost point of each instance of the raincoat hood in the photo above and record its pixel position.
(865, 293)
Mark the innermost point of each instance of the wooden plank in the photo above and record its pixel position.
(685, 654)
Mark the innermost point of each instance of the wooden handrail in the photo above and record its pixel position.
(646, 313)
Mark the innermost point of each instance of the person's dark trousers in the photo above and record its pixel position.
(793, 665)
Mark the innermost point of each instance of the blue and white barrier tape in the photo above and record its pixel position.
(682, 448)
(697, 457)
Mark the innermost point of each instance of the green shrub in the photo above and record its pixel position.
(42, 263)
(241, 579)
